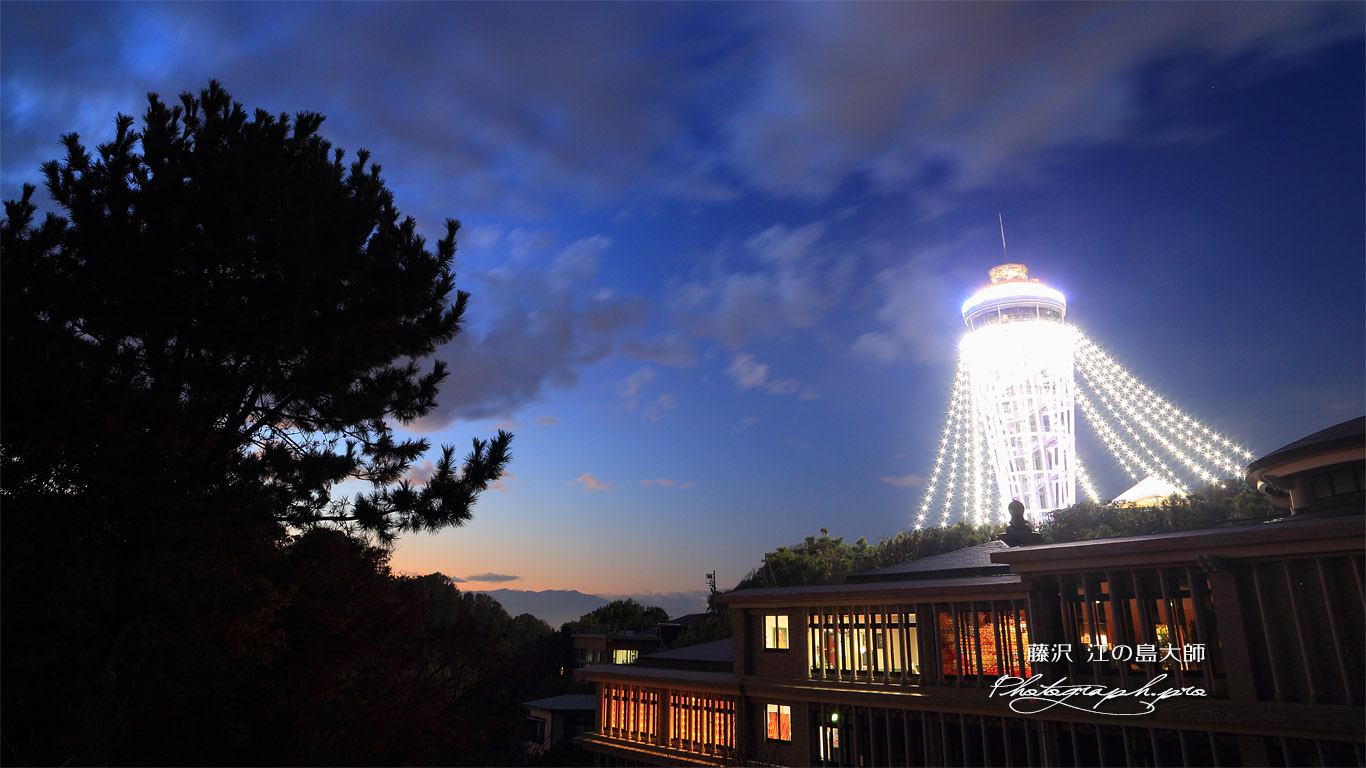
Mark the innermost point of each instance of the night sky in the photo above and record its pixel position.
(717, 252)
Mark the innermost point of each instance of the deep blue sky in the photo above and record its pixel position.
(717, 251)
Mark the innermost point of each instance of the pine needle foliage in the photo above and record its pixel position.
(227, 318)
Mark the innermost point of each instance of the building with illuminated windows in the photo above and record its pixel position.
(596, 645)
(900, 666)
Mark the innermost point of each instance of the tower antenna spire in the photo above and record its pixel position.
(1003, 236)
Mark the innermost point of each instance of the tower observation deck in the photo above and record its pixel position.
(1019, 354)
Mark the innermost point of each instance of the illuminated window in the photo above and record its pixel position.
(775, 632)
(830, 742)
(629, 712)
(990, 641)
(779, 722)
(701, 723)
(881, 645)
(622, 656)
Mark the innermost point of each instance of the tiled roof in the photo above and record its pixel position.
(568, 701)
(877, 590)
(658, 674)
(972, 561)
(717, 650)
(1295, 529)
(1344, 435)
(688, 619)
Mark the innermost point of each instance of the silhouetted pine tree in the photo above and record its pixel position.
(228, 316)
(221, 325)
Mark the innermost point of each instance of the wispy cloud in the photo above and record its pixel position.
(746, 423)
(749, 373)
(419, 474)
(487, 578)
(539, 330)
(916, 316)
(629, 391)
(508, 483)
(931, 112)
(905, 481)
(664, 481)
(780, 280)
(552, 108)
(671, 349)
(655, 410)
(546, 421)
(590, 483)
(629, 388)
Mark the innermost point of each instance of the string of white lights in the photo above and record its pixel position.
(1117, 403)
(1128, 459)
(1114, 441)
(971, 499)
(987, 489)
(983, 481)
(1085, 481)
(978, 465)
(1179, 426)
(969, 477)
(1139, 413)
(958, 457)
(949, 423)
(1215, 448)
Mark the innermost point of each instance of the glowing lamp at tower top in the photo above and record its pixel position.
(1012, 296)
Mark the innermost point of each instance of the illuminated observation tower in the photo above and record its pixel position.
(1018, 353)
(1023, 374)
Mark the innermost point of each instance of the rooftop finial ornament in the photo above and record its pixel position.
(1008, 272)
(1019, 532)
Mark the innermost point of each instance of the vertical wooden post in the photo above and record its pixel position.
(982, 731)
(1299, 632)
(1348, 692)
(1266, 633)
(839, 644)
(1174, 632)
(1198, 606)
(1120, 629)
(1093, 614)
(1076, 746)
(975, 623)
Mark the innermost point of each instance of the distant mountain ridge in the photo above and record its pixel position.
(556, 606)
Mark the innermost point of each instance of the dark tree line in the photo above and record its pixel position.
(618, 616)
(224, 320)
